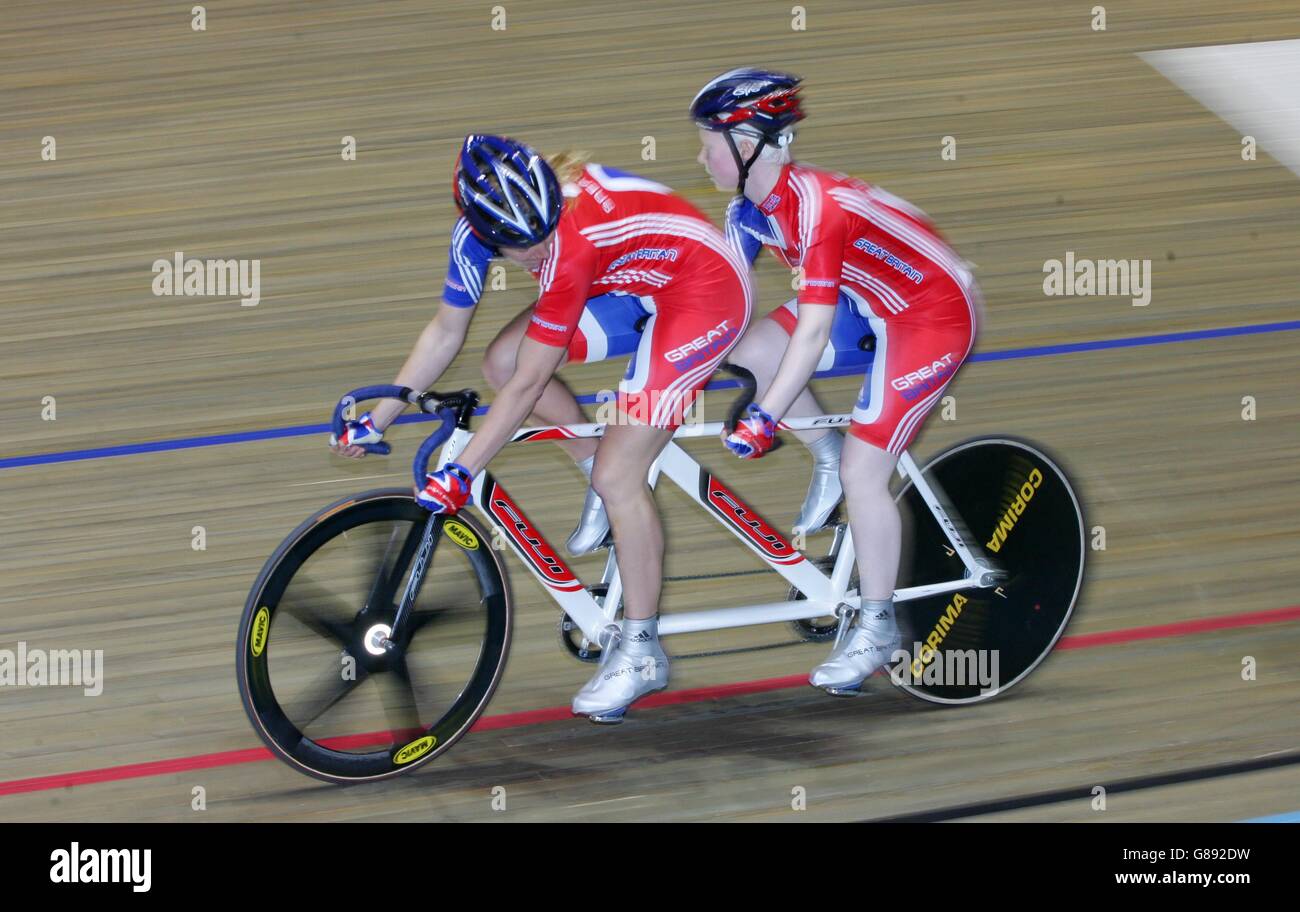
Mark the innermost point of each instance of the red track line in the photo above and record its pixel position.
(694, 695)
(560, 713)
(1181, 628)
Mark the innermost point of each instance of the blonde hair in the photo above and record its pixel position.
(777, 150)
(568, 165)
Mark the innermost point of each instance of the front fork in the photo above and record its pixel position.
(387, 640)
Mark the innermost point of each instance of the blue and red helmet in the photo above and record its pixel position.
(762, 103)
(766, 102)
(507, 191)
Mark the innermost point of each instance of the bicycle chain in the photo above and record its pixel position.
(738, 649)
(703, 576)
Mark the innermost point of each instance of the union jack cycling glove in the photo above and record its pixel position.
(755, 434)
(446, 491)
(356, 433)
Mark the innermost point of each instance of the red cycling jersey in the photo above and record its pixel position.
(619, 232)
(846, 235)
(858, 245)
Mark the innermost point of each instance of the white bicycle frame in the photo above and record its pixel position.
(824, 594)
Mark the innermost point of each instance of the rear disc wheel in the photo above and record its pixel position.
(970, 646)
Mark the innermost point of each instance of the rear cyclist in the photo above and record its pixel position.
(871, 264)
(602, 230)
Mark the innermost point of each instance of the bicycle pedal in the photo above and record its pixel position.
(854, 690)
(609, 718)
(827, 525)
(615, 716)
(605, 543)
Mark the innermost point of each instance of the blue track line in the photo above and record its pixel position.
(302, 430)
(1293, 817)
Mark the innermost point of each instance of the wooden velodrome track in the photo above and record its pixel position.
(226, 143)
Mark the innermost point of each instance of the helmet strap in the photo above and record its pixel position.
(742, 166)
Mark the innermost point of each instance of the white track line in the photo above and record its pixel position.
(1254, 86)
(303, 484)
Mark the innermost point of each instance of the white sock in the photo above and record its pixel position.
(586, 465)
(640, 637)
(871, 609)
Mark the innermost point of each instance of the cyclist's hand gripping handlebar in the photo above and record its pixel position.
(453, 408)
(748, 393)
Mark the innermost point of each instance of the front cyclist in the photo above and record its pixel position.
(610, 326)
(871, 264)
(603, 230)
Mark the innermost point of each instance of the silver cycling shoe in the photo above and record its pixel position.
(824, 492)
(593, 526)
(865, 648)
(622, 679)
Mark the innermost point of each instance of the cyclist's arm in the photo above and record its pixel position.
(467, 265)
(739, 211)
(535, 364)
(567, 277)
(822, 263)
(434, 350)
(809, 339)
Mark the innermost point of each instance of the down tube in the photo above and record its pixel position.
(501, 512)
(744, 522)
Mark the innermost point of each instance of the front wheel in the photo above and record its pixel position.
(969, 646)
(337, 686)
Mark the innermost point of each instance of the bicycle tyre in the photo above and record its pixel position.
(256, 640)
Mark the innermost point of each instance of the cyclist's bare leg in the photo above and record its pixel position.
(873, 638)
(760, 351)
(865, 472)
(557, 404)
(622, 463)
(636, 665)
